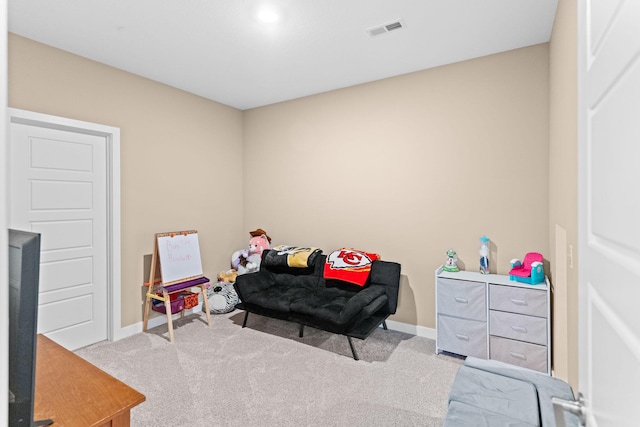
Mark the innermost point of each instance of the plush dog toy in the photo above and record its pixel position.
(248, 260)
(228, 276)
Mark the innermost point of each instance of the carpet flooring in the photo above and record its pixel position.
(265, 375)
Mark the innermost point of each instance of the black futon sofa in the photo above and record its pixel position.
(304, 296)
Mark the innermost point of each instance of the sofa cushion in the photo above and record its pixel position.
(282, 290)
(322, 305)
(497, 394)
(346, 286)
(336, 305)
(387, 274)
(271, 299)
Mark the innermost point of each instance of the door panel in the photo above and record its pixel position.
(47, 195)
(68, 313)
(61, 155)
(614, 406)
(609, 207)
(58, 187)
(68, 273)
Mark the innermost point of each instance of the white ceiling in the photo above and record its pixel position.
(219, 50)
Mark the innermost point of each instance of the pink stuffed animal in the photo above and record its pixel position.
(248, 260)
(258, 244)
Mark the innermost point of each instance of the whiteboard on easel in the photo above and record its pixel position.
(179, 256)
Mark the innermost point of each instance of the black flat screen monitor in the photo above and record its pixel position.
(24, 282)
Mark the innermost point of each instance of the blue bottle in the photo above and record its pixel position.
(484, 255)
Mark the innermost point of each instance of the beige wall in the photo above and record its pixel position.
(409, 167)
(181, 155)
(563, 188)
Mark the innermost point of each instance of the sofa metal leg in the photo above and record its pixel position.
(353, 349)
(301, 330)
(384, 325)
(244, 323)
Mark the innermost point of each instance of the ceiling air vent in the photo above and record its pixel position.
(385, 28)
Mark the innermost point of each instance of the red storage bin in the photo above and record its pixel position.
(190, 299)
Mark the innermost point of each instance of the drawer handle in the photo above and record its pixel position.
(518, 301)
(461, 300)
(519, 355)
(462, 337)
(519, 329)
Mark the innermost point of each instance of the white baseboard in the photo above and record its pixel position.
(136, 328)
(420, 331)
(127, 331)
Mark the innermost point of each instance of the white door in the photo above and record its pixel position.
(609, 210)
(58, 187)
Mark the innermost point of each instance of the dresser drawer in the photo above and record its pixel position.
(462, 299)
(518, 326)
(518, 353)
(462, 336)
(518, 300)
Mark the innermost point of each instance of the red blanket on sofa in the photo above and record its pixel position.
(349, 265)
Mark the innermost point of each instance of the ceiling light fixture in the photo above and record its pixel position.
(268, 16)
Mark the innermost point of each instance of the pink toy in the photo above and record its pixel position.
(258, 244)
(530, 270)
(248, 260)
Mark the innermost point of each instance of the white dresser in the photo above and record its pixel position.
(492, 317)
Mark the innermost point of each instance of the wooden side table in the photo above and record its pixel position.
(73, 392)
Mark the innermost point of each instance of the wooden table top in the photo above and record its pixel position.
(73, 392)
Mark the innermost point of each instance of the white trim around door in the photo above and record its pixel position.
(112, 136)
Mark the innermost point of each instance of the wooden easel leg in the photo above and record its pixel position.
(203, 291)
(152, 278)
(147, 305)
(167, 306)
